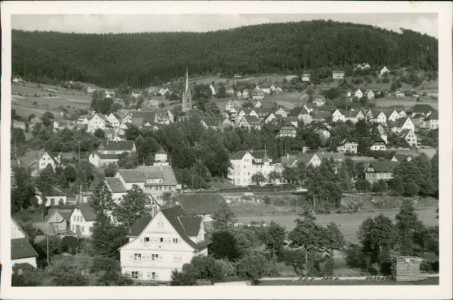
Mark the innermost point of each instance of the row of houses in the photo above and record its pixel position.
(246, 163)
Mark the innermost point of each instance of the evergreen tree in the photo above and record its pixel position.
(407, 224)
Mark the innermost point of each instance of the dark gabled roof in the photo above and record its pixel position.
(238, 155)
(295, 111)
(421, 108)
(348, 140)
(87, 211)
(252, 120)
(115, 185)
(21, 248)
(382, 166)
(201, 203)
(405, 132)
(115, 146)
(139, 225)
(191, 225)
(402, 157)
(106, 156)
(329, 155)
(131, 176)
(400, 122)
(212, 122)
(158, 172)
(184, 224)
(288, 123)
(65, 213)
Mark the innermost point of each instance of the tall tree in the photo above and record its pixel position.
(132, 206)
(407, 225)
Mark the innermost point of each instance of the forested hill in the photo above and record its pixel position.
(141, 59)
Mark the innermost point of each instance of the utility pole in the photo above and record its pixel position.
(47, 238)
(78, 144)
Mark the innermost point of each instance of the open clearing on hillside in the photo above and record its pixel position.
(349, 223)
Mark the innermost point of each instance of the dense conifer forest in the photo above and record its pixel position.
(142, 59)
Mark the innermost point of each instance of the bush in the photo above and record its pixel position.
(253, 267)
(354, 257)
(106, 264)
(67, 275)
(112, 278)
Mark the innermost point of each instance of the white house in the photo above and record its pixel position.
(358, 94)
(384, 71)
(338, 116)
(370, 95)
(47, 159)
(319, 100)
(402, 124)
(96, 122)
(110, 152)
(409, 136)
(82, 220)
(246, 163)
(305, 77)
(161, 244)
(348, 146)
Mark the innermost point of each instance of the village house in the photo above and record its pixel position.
(110, 152)
(59, 219)
(245, 94)
(63, 124)
(338, 116)
(257, 103)
(246, 163)
(149, 119)
(82, 220)
(282, 112)
(379, 170)
(362, 66)
(250, 122)
(161, 244)
(114, 120)
(305, 77)
(348, 145)
(384, 71)
(271, 117)
(431, 121)
(375, 143)
(98, 121)
(229, 91)
(212, 88)
(155, 180)
(46, 159)
(379, 130)
(402, 124)
(319, 100)
(56, 197)
(409, 136)
(358, 94)
(33, 122)
(337, 74)
(353, 115)
(257, 94)
(19, 124)
(377, 116)
(135, 94)
(288, 129)
(392, 115)
(370, 94)
(22, 252)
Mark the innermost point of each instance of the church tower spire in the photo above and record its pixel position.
(187, 95)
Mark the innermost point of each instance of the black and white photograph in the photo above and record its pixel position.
(271, 147)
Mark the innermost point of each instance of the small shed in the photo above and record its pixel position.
(407, 268)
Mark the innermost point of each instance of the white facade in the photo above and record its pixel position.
(348, 147)
(408, 124)
(96, 122)
(338, 116)
(45, 160)
(157, 251)
(242, 170)
(79, 225)
(358, 94)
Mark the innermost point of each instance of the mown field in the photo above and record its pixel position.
(33, 99)
(348, 222)
(429, 281)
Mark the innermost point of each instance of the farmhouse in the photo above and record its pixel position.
(161, 244)
(305, 77)
(424, 109)
(319, 100)
(402, 124)
(384, 71)
(409, 136)
(59, 219)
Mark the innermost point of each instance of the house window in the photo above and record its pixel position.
(154, 256)
(137, 256)
(134, 275)
(153, 275)
(175, 240)
(161, 240)
(146, 239)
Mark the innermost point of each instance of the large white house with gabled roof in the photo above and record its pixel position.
(161, 244)
(246, 163)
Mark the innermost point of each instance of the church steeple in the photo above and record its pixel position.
(187, 95)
